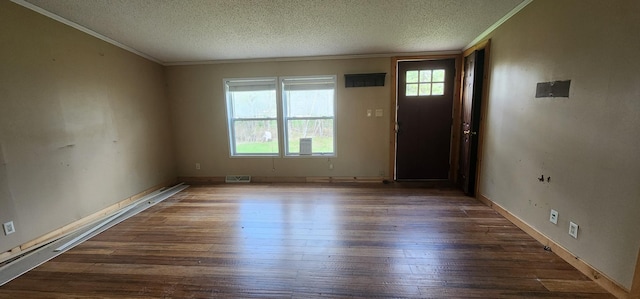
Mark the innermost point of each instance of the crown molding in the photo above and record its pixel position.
(497, 24)
(84, 29)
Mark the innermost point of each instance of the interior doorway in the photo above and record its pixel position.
(470, 123)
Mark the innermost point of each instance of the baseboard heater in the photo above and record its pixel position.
(56, 247)
(237, 179)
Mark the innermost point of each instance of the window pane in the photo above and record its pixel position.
(306, 98)
(252, 109)
(438, 89)
(256, 136)
(320, 130)
(412, 76)
(425, 89)
(254, 104)
(304, 103)
(425, 76)
(438, 75)
(412, 90)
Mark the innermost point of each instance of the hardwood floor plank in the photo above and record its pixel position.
(309, 241)
(571, 286)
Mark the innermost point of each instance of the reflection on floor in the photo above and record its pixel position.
(307, 241)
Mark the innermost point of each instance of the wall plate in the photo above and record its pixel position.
(553, 216)
(9, 228)
(573, 229)
(553, 89)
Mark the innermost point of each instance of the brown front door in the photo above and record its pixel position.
(471, 97)
(425, 101)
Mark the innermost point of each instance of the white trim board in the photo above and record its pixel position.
(54, 248)
(311, 58)
(83, 29)
(497, 24)
(97, 35)
(179, 63)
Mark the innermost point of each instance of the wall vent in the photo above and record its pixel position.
(237, 179)
(364, 80)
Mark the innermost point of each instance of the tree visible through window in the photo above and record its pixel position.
(425, 83)
(308, 111)
(253, 116)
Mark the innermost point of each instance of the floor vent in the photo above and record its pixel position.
(237, 179)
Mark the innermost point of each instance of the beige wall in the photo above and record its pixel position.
(200, 122)
(83, 124)
(588, 144)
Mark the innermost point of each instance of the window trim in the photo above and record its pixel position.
(281, 118)
(286, 119)
(231, 140)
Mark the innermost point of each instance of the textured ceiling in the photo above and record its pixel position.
(175, 31)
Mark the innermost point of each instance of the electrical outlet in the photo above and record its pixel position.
(331, 166)
(9, 228)
(573, 229)
(197, 165)
(553, 217)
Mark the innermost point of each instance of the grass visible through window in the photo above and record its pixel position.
(320, 144)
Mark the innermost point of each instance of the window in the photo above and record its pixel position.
(309, 112)
(425, 82)
(252, 111)
(255, 121)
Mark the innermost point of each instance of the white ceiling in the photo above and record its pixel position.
(185, 31)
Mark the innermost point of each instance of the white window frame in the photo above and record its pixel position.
(228, 83)
(325, 80)
(282, 117)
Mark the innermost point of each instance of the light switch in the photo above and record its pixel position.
(378, 112)
(368, 112)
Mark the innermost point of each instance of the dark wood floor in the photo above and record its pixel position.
(309, 241)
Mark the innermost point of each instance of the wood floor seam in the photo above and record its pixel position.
(309, 241)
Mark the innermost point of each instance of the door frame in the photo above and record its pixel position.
(454, 145)
(486, 46)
